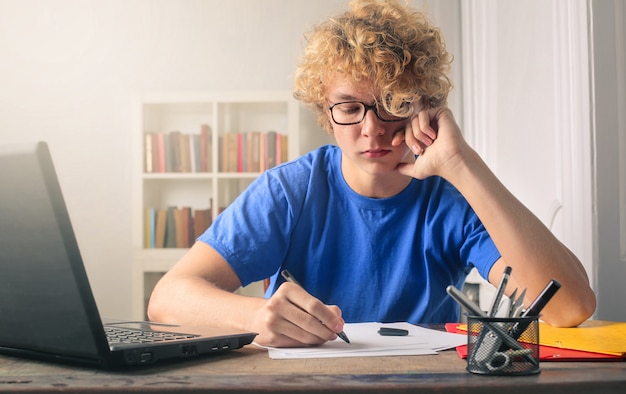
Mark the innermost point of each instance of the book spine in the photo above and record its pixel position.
(161, 223)
(271, 149)
(185, 152)
(149, 227)
(232, 152)
(262, 152)
(255, 161)
(279, 149)
(170, 228)
(205, 148)
(174, 151)
(240, 155)
(148, 152)
(285, 148)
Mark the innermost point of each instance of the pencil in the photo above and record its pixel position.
(495, 304)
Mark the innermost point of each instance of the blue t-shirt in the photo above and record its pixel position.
(381, 260)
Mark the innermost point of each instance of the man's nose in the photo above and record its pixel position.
(371, 125)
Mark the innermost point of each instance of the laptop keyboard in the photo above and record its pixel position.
(127, 335)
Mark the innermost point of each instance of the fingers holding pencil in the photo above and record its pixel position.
(283, 319)
(327, 315)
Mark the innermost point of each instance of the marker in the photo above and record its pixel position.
(535, 307)
(293, 280)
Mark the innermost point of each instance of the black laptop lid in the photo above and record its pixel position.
(46, 304)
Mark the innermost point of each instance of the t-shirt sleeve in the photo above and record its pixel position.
(478, 248)
(252, 234)
(463, 233)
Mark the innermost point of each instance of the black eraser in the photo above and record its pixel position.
(393, 332)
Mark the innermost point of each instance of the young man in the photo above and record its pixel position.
(377, 227)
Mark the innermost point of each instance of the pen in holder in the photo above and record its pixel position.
(493, 351)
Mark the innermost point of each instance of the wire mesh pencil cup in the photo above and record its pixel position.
(492, 350)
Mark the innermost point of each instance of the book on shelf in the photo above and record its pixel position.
(271, 149)
(161, 147)
(175, 227)
(181, 223)
(184, 153)
(170, 228)
(206, 148)
(254, 151)
(148, 152)
(150, 222)
(159, 229)
(178, 152)
(229, 152)
(174, 151)
(201, 221)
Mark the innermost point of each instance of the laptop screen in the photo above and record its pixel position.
(46, 304)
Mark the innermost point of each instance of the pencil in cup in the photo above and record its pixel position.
(497, 330)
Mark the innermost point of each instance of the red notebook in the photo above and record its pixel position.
(546, 353)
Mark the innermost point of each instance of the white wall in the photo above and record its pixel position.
(70, 71)
(514, 61)
(512, 96)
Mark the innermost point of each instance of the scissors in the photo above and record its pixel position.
(517, 306)
(501, 360)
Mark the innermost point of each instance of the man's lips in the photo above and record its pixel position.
(376, 153)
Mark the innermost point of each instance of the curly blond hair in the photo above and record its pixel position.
(384, 42)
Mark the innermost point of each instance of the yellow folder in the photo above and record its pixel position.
(599, 336)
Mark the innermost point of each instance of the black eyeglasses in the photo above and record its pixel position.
(352, 112)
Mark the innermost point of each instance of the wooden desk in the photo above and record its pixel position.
(250, 370)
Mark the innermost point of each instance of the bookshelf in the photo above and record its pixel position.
(195, 153)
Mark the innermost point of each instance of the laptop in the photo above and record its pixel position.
(47, 308)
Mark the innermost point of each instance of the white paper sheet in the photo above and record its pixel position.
(366, 342)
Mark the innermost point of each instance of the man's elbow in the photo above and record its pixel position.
(586, 309)
(152, 311)
(575, 313)
(157, 308)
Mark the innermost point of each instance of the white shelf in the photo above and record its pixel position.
(224, 112)
(178, 175)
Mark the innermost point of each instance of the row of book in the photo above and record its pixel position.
(178, 152)
(175, 151)
(252, 151)
(175, 227)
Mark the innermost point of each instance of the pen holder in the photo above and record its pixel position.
(494, 348)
